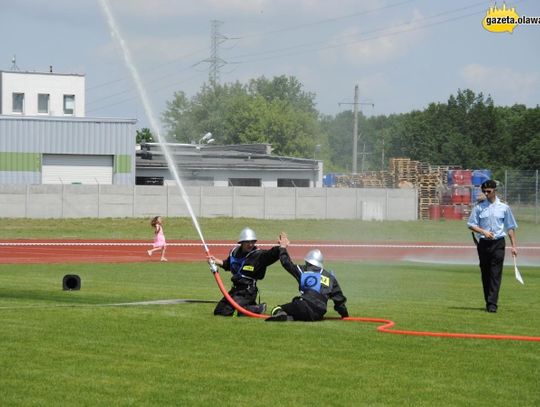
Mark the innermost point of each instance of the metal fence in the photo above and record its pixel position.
(521, 190)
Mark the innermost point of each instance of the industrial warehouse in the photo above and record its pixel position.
(47, 139)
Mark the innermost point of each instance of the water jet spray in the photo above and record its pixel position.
(115, 33)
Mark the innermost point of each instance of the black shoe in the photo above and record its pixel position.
(276, 310)
(261, 308)
(278, 316)
(256, 309)
(491, 308)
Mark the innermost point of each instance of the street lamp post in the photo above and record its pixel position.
(316, 150)
(207, 137)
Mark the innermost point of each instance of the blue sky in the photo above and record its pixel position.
(403, 54)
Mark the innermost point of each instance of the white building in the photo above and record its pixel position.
(45, 137)
(42, 94)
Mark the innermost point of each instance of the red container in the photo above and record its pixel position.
(465, 195)
(450, 212)
(462, 177)
(461, 195)
(434, 212)
(456, 195)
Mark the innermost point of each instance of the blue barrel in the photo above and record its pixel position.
(329, 180)
(450, 178)
(479, 176)
(474, 193)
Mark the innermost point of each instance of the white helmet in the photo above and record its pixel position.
(247, 235)
(315, 258)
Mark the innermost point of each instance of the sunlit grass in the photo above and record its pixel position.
(229, 228)
(62, 348)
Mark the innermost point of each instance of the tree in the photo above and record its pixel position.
(527, 141)
(467, 130)
(178, 119)
(275, 111)
(144, 135)
(286, 89)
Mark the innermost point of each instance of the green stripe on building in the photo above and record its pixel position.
(122, 163)
(11, 161)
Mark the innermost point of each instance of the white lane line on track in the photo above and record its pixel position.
(349, 245)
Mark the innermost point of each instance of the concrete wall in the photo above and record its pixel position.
(103, 201)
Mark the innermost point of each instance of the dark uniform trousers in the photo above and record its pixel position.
(491, 255)
(243, 295)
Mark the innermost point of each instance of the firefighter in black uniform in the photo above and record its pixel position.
(247, 263)
(316, 285)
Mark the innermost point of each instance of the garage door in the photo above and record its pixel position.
(77, 169)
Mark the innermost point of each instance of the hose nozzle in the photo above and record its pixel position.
(213, 266)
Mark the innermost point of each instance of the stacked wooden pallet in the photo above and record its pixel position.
(366, 179)
(370, 179)
(343, 181)
(387, 179)
(404, 169)
(430, 184)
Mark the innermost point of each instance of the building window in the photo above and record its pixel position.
(244, 182)
(43, 103)
(69, 104)
(293, 182)
(18, 103)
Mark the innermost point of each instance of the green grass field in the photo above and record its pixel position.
(228, 228)
(61, 348)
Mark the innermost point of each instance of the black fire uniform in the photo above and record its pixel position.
(246, 269)
(316, 287)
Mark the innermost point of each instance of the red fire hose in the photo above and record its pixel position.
(387, 324)
(233, 302)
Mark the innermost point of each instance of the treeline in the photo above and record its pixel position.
(467, 131)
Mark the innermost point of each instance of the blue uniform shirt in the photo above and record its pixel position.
(494, 217)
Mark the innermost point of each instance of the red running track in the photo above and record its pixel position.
(124, 251)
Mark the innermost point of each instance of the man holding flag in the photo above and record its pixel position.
(492, 220)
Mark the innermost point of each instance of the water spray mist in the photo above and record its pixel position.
(151, 117)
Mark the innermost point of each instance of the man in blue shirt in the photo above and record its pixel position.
(491, 220)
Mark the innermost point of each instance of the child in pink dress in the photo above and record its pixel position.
(159, 238)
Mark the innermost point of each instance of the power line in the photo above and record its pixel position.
(325, 21)
(215, 57)
(298, 48)
(134, 97)
(149, 70)
(217, 39)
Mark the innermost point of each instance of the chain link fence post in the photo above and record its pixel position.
(521, 191)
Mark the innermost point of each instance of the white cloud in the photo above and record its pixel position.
(500, 81)
(374, 84)
(163, 49)
(173, 8)
(382, 44)
(298, 8)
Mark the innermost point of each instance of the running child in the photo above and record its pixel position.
(159, 238)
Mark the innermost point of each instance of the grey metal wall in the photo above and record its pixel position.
(101, 201)
(20, 177)
(54, 135)
(67, 136)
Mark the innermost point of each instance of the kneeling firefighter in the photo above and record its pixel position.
(317, 285)
(247, 264)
